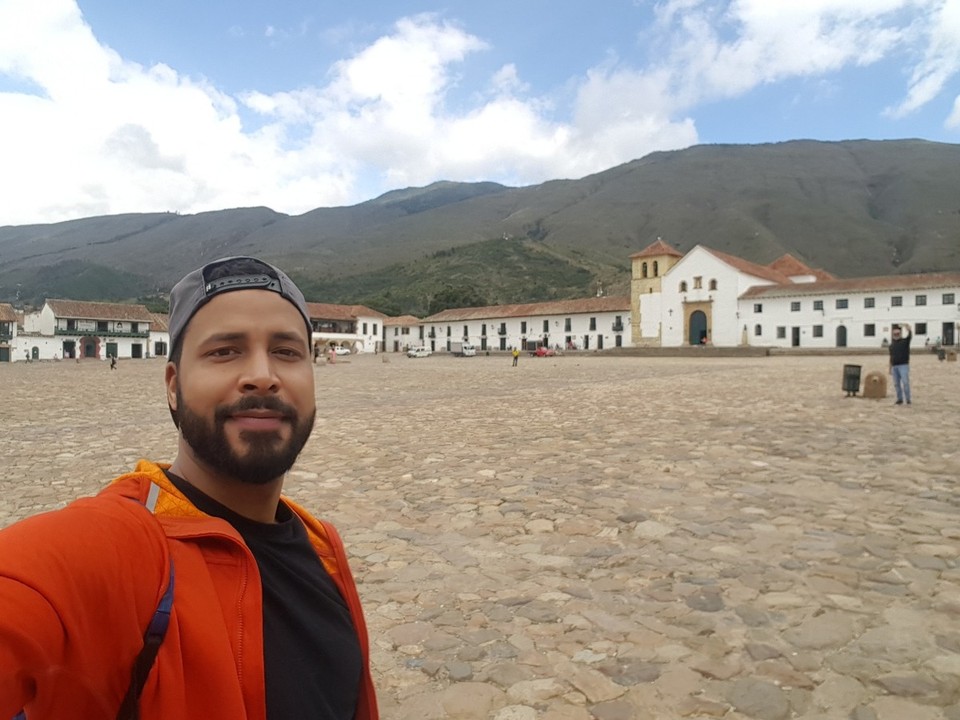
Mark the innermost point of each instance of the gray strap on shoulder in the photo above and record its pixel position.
(152, 497)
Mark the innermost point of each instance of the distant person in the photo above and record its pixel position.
(900, 361)
(516, 356)
(113, 362)
(251, 606)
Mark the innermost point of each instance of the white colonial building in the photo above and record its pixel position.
(8, 332)
(356, 327)
(73, 329)
(710, 297)
(588, 324)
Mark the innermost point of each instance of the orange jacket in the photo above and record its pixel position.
(78, 587)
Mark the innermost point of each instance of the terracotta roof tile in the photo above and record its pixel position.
(790, 266)
(78, 310)
(7, 313)
(657, 248)
(745, 266)
(329, 311)
(403, 321)
(924, 281)
(160, 322)
(554, 307)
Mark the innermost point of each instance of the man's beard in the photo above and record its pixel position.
(268, 456)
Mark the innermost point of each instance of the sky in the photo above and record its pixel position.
(112, 106)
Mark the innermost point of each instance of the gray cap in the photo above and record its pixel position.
(197, 288)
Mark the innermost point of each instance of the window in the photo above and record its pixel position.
(948, 299)
(593, 323)
(374, 328)
(758, 307)
(466, 331)
(448, 331)
(818, 331)
(523, 327)
(870, 330)
(896, 301)
(396, 331)
(566, 325)
(920, 300)
(842, 304)
(483, 330)
(920, 328)
(683, 286)
(503, 328)
(869, 302)
(818, 305)
(656, 268)
(546, 326)
(757, 330)
(644, 271)
(364, 328)
(781, 332)
(698, 282)
(795, 306)
(101, 325)
(713, 284)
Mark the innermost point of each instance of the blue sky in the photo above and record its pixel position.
(109, 107)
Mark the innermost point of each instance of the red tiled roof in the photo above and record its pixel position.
(160, 322)
(7, 313)
(329, 311)
(403, 321)
(554, 307)
(745, 266)
(790, 266)
(924, 281)
(77, 310)
(657, 248)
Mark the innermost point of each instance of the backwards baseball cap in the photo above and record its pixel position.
(199, 287)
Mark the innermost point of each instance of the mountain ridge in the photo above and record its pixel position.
(854, 208)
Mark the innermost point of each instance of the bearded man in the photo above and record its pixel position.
(195, 590)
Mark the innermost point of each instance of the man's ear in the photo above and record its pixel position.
(171, 378)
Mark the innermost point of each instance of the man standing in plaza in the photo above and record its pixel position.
(900, 361)
(250, 603)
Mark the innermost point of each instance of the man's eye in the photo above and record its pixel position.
(222, 352)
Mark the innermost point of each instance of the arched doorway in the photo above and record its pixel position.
(698, 327)
(841, 336)
(89, 347)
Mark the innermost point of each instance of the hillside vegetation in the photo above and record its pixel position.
(855, 208)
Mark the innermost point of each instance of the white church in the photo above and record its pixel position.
(710, 297)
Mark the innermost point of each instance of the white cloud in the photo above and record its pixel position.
(92, 133)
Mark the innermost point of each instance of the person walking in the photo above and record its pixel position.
(195, 590)
(516, 356)
(900, 361)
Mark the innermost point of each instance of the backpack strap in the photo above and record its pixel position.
(152, 638)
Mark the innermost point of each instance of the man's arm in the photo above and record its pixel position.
(77, 588)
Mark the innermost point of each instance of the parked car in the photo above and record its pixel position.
(418, 352)
(341, 350)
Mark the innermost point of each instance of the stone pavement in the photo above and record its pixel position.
(588, 537)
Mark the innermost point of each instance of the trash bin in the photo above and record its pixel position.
(851, 379)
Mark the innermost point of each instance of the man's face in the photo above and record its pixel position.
(896, 333)
(244, 391)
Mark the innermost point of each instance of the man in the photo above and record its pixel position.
(900, 361)
(266, 621)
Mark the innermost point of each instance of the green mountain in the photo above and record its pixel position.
(854, 208)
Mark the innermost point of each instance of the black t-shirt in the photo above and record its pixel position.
(900, 350)
(311, 654)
